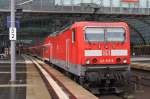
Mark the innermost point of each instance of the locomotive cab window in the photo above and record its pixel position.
(115, 34)
(95, 34)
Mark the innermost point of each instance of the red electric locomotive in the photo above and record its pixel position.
(95, 53)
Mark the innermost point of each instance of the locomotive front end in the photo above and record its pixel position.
(106, 56)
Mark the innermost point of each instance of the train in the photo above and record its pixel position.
(96, 54)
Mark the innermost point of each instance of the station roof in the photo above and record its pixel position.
(43, 17)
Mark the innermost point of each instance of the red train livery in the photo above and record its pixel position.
(94, 52)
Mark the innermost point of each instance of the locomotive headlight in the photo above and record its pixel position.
(124, 60)
(87, 61)
(118, 60)
(94, 60)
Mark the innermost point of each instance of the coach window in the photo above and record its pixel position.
(73, 35)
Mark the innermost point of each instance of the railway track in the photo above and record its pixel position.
(141, 77)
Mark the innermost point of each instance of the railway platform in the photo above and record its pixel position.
(28, 84)
(141, 63)
(32, 82)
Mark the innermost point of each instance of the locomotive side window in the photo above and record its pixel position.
(73, 35)
(94, 34)
(115, 34)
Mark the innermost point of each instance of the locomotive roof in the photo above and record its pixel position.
(84, 23)
(87, 23)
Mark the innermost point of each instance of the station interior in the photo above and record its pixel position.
(37, 19)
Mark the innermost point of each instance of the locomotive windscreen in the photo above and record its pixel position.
(115, 34)
(94, 34)
(100, 34)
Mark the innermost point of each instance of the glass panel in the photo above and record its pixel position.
(94, 34)
(4, 4)
(115, 34)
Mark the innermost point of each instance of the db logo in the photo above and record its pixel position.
(106, 52)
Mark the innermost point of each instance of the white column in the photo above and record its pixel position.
(13, 44)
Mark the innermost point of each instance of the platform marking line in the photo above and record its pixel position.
(8, 66)
(8, 62)
(60, 93)
(18, 72)
(14, 85)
